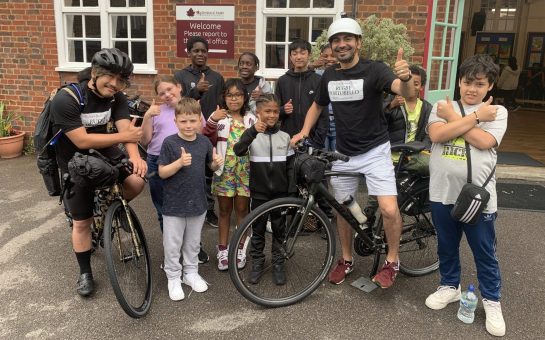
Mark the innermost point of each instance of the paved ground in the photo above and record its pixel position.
(38, 273)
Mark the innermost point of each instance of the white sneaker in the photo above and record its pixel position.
(223, 263)
(443, 296)
(175, 291)
(495, 324)
(196, 282)
(268, 228)
(241, 258)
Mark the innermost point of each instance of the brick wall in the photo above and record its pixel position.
(29, 51)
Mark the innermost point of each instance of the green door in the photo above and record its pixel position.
(443, 48)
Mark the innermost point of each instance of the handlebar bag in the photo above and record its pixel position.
(91, 172)
(309, 168)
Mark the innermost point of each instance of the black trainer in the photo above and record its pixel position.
(211, 218)
(279, 275)
(256, 273)
(86, 285)
(203, 256)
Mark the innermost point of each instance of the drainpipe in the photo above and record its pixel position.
(354, 9)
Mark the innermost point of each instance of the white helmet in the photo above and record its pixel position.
(344, 25)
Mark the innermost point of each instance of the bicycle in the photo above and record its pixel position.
(308, 256)
(126, 251)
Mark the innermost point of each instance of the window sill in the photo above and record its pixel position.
(79, 68)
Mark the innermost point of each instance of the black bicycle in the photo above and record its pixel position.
(117, 229)
(308, 256)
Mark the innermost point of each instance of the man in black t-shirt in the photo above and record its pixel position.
(88, 129)
(354, 87)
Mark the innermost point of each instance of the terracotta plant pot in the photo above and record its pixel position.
(12, 146)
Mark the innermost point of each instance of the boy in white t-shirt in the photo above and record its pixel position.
(483, 127)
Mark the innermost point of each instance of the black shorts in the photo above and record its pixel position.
(80, 204)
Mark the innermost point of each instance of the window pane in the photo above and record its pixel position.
(90, 3)
(92, 47)
(122, 45)
(119, 26)
(276, 29)
(323, 3)
(298, 28)
(319, 25)
(74, 26)
(118, 3)
(75, 50)
(92, 26)
(276, 3)
(71, 3)
(274, 56)
(138, 26)
(300, 4)
(139, 52)
(137, 3)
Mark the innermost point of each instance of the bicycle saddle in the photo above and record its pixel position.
(410, 148)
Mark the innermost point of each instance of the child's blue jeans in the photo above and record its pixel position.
(482, 241)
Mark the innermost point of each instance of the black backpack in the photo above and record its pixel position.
(45, 137)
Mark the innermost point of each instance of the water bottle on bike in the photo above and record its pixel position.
(355, 209)
(468, 304)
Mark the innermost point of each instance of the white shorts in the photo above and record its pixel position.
(376, 164)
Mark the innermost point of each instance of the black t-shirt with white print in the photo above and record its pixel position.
(356, 97)
(95, 117)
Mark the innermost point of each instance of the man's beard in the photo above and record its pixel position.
(347, 59)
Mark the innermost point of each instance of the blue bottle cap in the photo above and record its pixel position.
(471, 287)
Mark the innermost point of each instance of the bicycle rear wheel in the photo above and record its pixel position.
(418, 245)
(306, 255)
(129, 268)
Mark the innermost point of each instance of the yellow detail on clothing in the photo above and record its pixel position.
(412, 125)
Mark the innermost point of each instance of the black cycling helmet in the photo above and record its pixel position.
(113, 60)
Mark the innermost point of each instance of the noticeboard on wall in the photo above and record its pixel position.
(497, 45)
(535, 49)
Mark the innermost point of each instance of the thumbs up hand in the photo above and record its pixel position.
(487, 112)
(445, 110)
(203, 84)
(288, 107)
(217, 160)
(185, 158)
(256, 92)
(260, 126)
(401, 67)
(219, 114)
(154, 110)
(133, 133)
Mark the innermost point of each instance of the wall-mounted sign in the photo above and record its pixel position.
(215, 23)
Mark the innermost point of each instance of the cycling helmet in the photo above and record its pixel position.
(113, 60)
(344, 25)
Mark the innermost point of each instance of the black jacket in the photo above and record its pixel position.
(301, 88)
(397, 122)
(189, 77)
(271, 162)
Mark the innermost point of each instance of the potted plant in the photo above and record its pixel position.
(11, 140)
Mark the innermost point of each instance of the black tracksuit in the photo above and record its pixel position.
(301, 88)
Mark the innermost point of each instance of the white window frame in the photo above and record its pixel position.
(104, 10)
(261, 21)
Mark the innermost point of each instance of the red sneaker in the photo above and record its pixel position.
(387, 274)
(338, 274)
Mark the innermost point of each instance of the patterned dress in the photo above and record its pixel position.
(235, 178)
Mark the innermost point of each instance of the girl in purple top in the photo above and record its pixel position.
(157, 125)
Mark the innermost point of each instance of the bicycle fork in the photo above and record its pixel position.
(298, 223)
(132, 229)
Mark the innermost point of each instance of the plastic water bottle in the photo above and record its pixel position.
(468, 304)
(355, 209)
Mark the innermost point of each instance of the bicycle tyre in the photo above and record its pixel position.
(130, 274)
(418, 245)
(305, 267)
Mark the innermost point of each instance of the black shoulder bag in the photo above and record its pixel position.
(473, 198)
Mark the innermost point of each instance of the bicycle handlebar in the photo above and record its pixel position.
(304, 146)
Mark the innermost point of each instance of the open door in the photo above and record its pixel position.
(443, 40)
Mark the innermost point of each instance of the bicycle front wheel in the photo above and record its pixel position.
(128, 261)
(306, 256)
(418, 244)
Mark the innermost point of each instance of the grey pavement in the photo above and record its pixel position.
(38, 271)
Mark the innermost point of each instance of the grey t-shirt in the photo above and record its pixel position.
(448, 163)
(184, 192)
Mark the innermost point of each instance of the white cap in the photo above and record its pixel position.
(344, 25)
